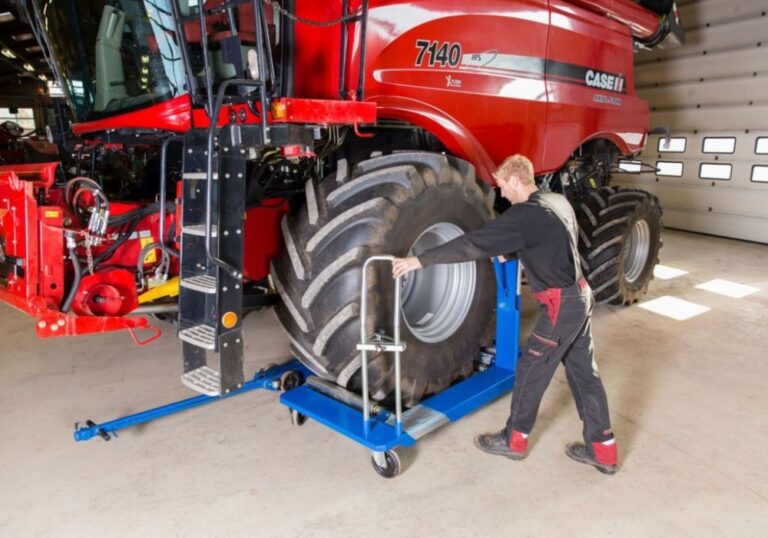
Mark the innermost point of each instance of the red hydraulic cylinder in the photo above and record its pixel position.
(642, 22)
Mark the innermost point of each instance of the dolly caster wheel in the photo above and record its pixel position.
(290, 380)
(386, 464)
(297, 419)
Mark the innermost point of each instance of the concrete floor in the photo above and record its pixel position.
(688, 401)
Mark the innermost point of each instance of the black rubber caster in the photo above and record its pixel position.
(297, 419)
(290, 380)
(391, 467)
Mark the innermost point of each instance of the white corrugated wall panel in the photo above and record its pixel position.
(716, 86)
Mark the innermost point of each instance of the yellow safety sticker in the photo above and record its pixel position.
(51, 214)
(151, 256)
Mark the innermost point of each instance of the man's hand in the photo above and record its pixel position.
(401, 266)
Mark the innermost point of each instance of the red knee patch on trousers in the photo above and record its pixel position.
(518, 442)
(551, 299)
(606, 452)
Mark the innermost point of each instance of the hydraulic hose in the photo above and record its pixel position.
(119, 241)
(74, 181)
(71, 244)
(143, 254)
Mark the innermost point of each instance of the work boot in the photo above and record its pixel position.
(514, 448)
(601, 456)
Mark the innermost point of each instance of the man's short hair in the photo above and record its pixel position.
(516, 165)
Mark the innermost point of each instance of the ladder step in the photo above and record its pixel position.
(198, 175)
(200, 335)
(201, 283)
(199, 229)
(204, 380)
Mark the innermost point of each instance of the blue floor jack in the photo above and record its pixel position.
(356, 416)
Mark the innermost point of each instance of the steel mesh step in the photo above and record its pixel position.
(201, 336)
(199, 230)
(201, 283)
(204, 380)
(198, 176)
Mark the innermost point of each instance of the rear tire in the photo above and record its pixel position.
(620, 237)
(385, 207)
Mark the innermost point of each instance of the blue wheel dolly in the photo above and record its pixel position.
(355, 416)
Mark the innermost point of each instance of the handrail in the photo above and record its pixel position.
(209, 163)
(163, 181)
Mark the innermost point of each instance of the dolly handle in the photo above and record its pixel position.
(396, 338)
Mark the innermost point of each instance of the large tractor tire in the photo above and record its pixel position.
(620, 237)
(397, 204)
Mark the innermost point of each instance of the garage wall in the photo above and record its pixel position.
(713, 94)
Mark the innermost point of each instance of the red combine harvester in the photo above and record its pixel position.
(244, 153)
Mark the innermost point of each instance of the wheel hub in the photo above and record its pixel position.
(636, 250)
(436, 300)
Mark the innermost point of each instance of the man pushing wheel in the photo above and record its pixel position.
(541, 229)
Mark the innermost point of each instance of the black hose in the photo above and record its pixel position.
(119, 241)
(143, 254)
(67, 304)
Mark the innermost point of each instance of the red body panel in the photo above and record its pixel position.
(505, 95)
(499, 96)
(580, 37)
(173, 115)
(322, 111)
(177, 115)
(262, 237)
(19, 223)
(42, 174)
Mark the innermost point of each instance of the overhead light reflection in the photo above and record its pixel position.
(728, 288)
(664, 272)
(674, 308)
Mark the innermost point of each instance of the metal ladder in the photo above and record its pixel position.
(213, 209)
(211, 286)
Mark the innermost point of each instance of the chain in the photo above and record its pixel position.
(88, 252)
(309, 22)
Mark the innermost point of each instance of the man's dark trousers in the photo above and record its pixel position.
(563, 333)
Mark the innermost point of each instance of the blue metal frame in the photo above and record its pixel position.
(267, 379)
(380, 434)
(507, 313)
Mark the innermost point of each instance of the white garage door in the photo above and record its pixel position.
(713, 94)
